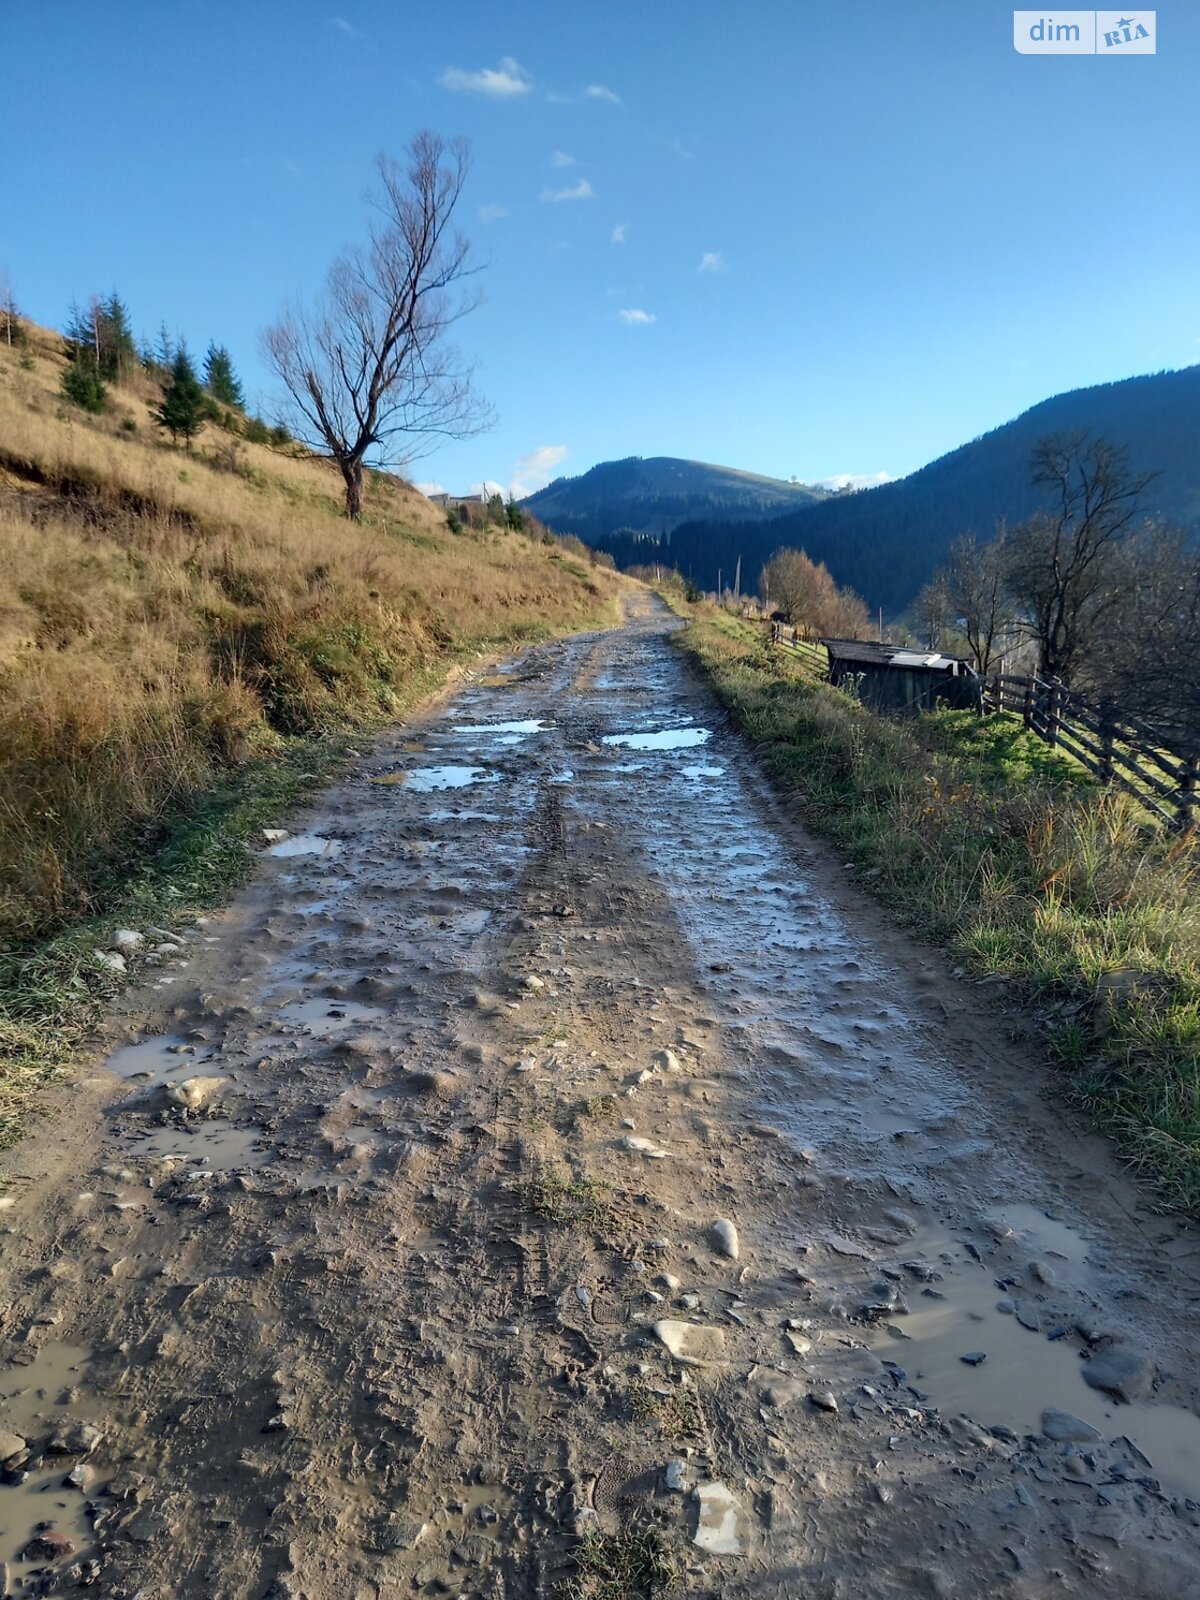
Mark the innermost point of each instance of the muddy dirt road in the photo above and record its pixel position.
(551, 1139)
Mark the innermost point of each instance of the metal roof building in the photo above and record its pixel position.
(892, 678)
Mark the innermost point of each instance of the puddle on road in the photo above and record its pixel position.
(664, 739)
(703, 772)
(425, 780)
(156, 1058)
(567, 775)
(531, 725)
(307, 844)
(215, 1144)
(321, 1017)
(32, 1404)
(444, 815)
(1025, 1372)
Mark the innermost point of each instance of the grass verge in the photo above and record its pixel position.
(984, 840)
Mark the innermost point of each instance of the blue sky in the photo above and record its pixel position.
(794, 238)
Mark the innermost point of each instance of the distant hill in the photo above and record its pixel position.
(885, 542)
(648, 498)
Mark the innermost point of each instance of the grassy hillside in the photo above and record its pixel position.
(651, 496)
(986, 841)
(885, 542)
(181, 625)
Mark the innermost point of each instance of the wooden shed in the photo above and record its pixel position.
(891, 678)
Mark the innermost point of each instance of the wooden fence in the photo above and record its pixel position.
(1147, 762)
(1119, 749)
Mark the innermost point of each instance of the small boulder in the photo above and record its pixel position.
(74, 1439)
(666, 1061)
(196, 1094)
(110, 960)
(724, 1238)
(691, 1342)
(717, 1526)
(11, 1444)
(48, 1545)
(1119, 1370)
(1062, 1426)
(127, 941)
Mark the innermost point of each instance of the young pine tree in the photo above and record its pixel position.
(220, 379)
(181, 410)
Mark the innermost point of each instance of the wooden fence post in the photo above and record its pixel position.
(1052, 712)
(1189, 795)
(1027, 707)
(1108, 736)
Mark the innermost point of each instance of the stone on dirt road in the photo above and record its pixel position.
(1064, 1425)
(196, 1094)
(724, 1238)
(11, 1444)
(666, 1061)
(691, 1342)
(716, 1528)
(1118, 1370)
(636, 1145)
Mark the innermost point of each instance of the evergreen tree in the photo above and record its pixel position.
(102, 338)
(164, 350)
(82, 384)
(181, 410)
(220, 379)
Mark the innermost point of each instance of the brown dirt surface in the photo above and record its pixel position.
(351, 1256)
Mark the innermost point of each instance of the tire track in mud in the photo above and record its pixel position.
(563, 931)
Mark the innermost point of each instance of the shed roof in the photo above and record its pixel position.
(869, 652)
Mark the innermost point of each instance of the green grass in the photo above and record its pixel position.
(570, 1202)
(983, 839)
(630, 1565)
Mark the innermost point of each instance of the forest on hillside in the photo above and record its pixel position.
(885, 542)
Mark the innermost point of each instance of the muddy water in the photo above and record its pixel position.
(34, 1400)
(1026, 1371)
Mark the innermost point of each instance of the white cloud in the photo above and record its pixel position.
(428, 488)
(535, 470)
(507, 82)
(597, 91)
(712, 261)
(492, 212)
(576, 191)
(560, 158)
(619, 232)
(633, 318)
(855, 480)
(347, 28)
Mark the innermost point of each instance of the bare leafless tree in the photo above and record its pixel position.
(370, 373)
(1061, 567)
(10, 313)
(976, 577)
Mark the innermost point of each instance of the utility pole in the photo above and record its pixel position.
(737, 579)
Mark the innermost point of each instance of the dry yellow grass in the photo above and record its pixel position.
(167, 614)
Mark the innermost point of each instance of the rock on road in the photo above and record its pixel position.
(551, 1139)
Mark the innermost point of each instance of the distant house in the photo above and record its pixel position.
(454, 502)
(891, 678)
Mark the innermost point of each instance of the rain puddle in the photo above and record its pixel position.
(426, 779)
(321, 1017)
(1025, 1372)
(462, 816)
(567, 775)
(665, 739)
(703, 772)
(33, 1404)
(532, 725)
(216, 1144)
(307, 844)
(155, 1058)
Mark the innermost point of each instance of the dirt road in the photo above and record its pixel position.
(551, 1139)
